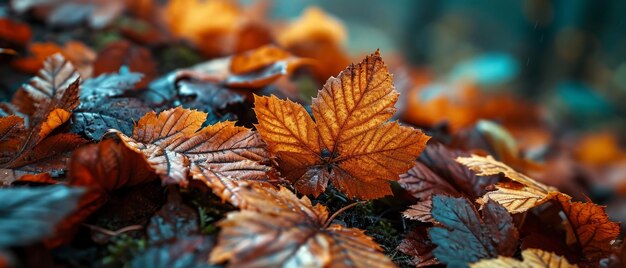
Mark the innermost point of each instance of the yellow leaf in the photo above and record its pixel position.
(517, 197)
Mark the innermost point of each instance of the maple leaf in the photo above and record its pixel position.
(351, 143)
(29, 214)
(465, 238)
(277, 229)
(219, 155)
(522, 195)
(532, 258)
(593, 231)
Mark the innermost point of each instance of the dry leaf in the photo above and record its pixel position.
(99, 168)
(522, 195)
(351, 143)
(219, 155)
(593, 230)
(47, 101)
(123, 53)
(533, 258)
(277, 229)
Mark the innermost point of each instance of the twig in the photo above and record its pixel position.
(113, 233)
(332, 217)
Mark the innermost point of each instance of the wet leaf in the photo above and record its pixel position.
(277, 229)
(465, 237)
(174, 221)
(190, 252)
(60, 13)
(351, 143)
(28, 215)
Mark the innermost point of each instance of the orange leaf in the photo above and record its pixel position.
(277, 229)
(55, 118)
(219, 155)
(532, 258)
(351, 143)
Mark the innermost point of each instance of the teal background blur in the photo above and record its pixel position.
(568, 55)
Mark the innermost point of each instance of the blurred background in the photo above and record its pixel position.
(568, 55)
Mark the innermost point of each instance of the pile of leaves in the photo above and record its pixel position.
(241, 142)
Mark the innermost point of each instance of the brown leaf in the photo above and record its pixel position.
(417, 245)
(101, 168)
(218, 155)
(532, 258)
(422, 211)
(46, 100)
(593, 230)
(123, 53)
(351, 143)
(441, 160)
(276, 229)
(422, 183)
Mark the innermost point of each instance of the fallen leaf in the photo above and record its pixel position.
(422, 211)
(532, 258)
(277, 229)
(47, 100)
(422, 183)
(122, 53)
(351, 144)
(174, 221)
(417, 246)
(219, 155)
(593, 230)
(100, 169)
(103, 106)
(517, 197)
(465, 238)
(28, 215)
(190, 252)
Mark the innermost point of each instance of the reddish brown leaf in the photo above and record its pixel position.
(422, 211)
(101, 168)
(417, 245)
(123, 53)
(422, 183)
(276, 229)
(593, 231)
(219, 155)
(12, 32)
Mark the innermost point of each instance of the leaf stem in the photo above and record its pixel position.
(332, 217)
